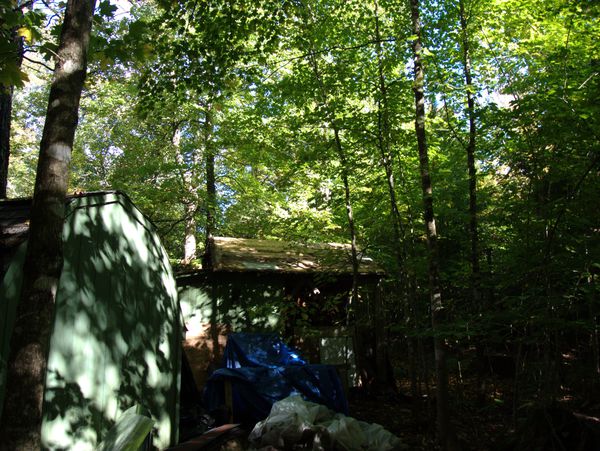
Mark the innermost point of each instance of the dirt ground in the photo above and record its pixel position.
(486, 423)
(482, 424)
(478, 427)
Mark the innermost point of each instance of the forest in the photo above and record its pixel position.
(456, 142)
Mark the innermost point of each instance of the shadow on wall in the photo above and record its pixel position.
(239, 305)
(214, 306)
(116, 337)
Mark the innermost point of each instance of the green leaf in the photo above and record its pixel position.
(106, 9)
(427, 52)
(12, 75)
(128, 433)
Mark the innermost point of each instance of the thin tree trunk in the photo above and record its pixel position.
(473, 230)
(22, 417)
(347, 197)
(189, 244)
(445, 435)
(6, 100)
(384, 144)
(344, 167)
(349, 213)
(383, 137)
(189, 238)
(387, 160)
(411, 321)
(211, 190)
(211, 205)
(594, 338)
(6, 96)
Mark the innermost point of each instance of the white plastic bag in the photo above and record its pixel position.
(293, 421)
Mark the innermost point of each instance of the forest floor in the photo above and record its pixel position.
(484, 424)
(479, 426)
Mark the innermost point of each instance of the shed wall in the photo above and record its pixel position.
(213, 307)
(240, 302)
(215, 304)
(117, 333)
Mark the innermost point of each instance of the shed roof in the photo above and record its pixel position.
(14, 223)
(246, 255)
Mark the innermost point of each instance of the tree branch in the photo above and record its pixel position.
(51, 69)
(314, 53)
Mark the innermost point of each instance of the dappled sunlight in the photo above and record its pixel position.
(242, 306)
(116, 331)
(117, 322)
(212, 308)
(297, 305)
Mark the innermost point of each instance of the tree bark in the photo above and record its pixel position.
(27, 363)
(190, 200)
(445, 434)
(6, 100)
(473, 229)
(6, 96)
(211, 189)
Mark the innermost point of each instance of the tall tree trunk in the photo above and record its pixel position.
(211, 190)
(341, 152)
(345, 172)
(445, 434)
(6, 96)
(466, 61)
(387, 161)
(189, 238)
(22, 417)
(351, 230)
(473, 229)
(211, 206)
(383, 138)
(349, 213)
(6, 100)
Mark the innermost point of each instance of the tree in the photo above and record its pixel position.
(11, 46)
(446, 436)
(473, 229)
(44, 258)
(258, 122)
(329, 113)
(199, 54)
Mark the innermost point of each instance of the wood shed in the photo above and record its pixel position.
(251, 285)
(117, 329)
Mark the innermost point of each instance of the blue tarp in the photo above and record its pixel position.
(262, 370)
(258, 350)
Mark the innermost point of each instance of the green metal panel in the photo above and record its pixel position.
(117, 333)
(10, 289)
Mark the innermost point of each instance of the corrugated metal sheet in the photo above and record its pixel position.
(116, 338)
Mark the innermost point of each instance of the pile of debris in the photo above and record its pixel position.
(298, 424)
(266, 387)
